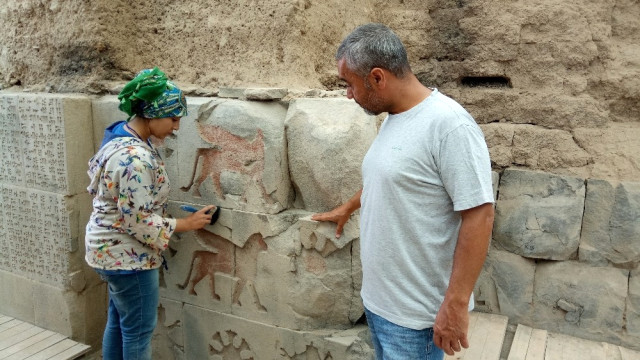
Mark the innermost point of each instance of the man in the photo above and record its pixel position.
(426, 201)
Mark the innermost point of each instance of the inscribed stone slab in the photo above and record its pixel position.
(45, 141)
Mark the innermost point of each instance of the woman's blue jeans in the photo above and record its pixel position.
(132, 316)
(395, 342)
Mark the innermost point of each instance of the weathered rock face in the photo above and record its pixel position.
(566, 72)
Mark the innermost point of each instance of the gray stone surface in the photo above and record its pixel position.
(327, 140)
(274, 269)
(633, 305)
(231, 153)
(212, 335)
(611, 230)
(45, 141)
(265, 94)
(539, 215)
(506, 285)
(579, 300)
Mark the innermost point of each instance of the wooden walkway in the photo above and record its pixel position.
(23, 341)
(487, 334)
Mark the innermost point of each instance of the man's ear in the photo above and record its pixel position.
(378, 78)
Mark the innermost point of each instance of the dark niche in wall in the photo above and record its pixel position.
(486, 81)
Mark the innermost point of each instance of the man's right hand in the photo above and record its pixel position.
(341, 214)
(337, 215)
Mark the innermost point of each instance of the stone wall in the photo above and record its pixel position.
(265, 281)
(44, 148)
(565, 255)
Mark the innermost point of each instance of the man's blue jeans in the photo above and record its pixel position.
(132, 316)
(395, 342)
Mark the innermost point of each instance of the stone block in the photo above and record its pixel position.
(506, 285)
(80, 316)
(168, 337)
(46, 143)
(539, 215)
(579, 300)
(633, 305)
(327, 140)
(105, 112)
(212, 335)
(265, 94)
(610, 228)
(41, 235)
(278, 271)
(16, 297)
(233, 154)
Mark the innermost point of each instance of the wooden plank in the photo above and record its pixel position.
(53, 350)
(485, 338)
(520, 344)
(21, 345)
(6, 337)
(488, 344)
(9, 325)
(473, 322)
(72, 352)
(37, 347)
(537, 345)
(23, 335)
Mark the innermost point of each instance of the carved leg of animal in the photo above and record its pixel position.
(254, 294)
(182, 286)
(193, 173)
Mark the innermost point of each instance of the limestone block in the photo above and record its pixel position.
(611, 230)
(263, 94)
(534, 147)
(81, 316)
(16, 297)
(104, 113)
(46, 142)
(327, 140)
(539, 215)
(168, 337)
(270, 273)
(41, 236)
(633, 304)
(580, 300)
(212, 335)
(233, 154)
(506, 286)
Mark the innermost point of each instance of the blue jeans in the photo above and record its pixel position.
(132, 316)
(395, 342)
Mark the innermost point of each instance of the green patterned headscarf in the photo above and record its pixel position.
(151, 95)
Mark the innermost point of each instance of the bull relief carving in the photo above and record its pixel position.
(220, 255)
(228, 152)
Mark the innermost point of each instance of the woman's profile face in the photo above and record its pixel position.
(163, 127)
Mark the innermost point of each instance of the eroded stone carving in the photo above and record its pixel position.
(222, 256)
(229, 152)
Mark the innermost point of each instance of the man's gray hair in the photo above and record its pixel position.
(374, 45)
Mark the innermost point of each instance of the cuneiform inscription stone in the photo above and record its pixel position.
(35, 234)
(33, 142)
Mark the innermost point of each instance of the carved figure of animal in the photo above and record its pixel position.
(229, 153)
(221, 255)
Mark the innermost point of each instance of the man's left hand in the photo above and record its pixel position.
(451, 327)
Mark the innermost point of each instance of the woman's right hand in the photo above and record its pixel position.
(196, 220)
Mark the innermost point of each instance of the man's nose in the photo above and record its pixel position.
(349, 93)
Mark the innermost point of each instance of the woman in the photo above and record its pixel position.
(129, 227)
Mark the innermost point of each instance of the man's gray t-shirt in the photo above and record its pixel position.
(424, 167)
